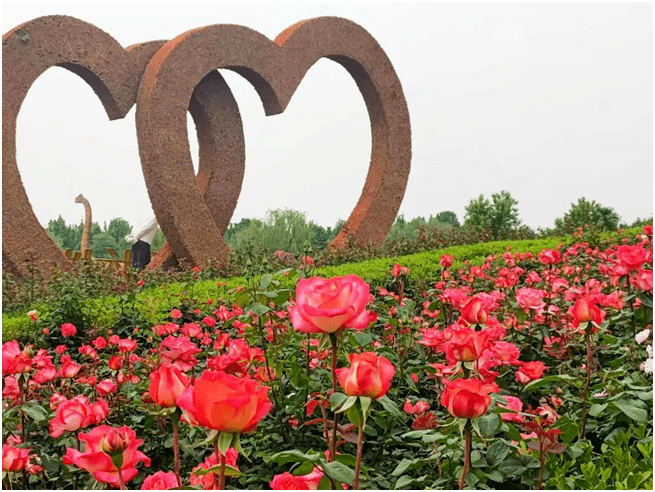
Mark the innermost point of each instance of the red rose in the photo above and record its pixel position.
(447, 261)
(419, 407)
(176, 314)
(77, 413)
(287, 481)
(179, 351)
(167, 384)
(68, 368)
(515, 404)
(14, 360)
(160, 481)
(225, 402)
(631, 257)
(68, 330)
(126, 345)
(104, 447)
(115, 363)
(466, 345)
(549, 256)
(475, 312)
(14, 459)
(191, 330)
(530, 299)
(368, 375)
(585, 310)
(530, 371)
(99, 343)
(105, 387)
(327, 305)
(398, 270)
(467, 398)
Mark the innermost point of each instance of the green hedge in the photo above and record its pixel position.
(155, 303)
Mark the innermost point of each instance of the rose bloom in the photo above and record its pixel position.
(99, 343)
(466, 345)
(191, 330)
(225, 402)
(60, 349)
(68, 368)
(75, 414)
(467, 398)
(419, 407)
(115, 363)
(368, 375)
(327, 305)
(160, 481)
(167, 384)
(644, 280)
(14, 459)
(100, 444)
(208, 321)
(179, 351)
(14, 360)
(88, 351)
(105, 387)
(11, 391)
(126, 345)
(631, 257)
(68, 330)
(531, 371)
(474, 312)
(585, 310)
(398, 270)
(515, 404)
(176, 314)
(549, 257)
(447, 261)
(287, 481)
(210, 480)
(530, 299)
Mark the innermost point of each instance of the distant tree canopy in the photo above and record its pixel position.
(286, 230)
(501, 214)
(402, 228)
(587, 213)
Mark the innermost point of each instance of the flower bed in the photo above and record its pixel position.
(522, 371)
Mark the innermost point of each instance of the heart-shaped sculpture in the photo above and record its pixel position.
(114, 74)
(275, 69)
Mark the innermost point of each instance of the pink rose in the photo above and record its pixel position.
(179, 351)
(68, 330)
(327, 305)
(530, 299)
(531, 371)
(160, 481)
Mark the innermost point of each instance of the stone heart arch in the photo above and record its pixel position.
(275, 69)
(114, 74)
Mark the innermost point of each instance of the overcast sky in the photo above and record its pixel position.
(551, 102)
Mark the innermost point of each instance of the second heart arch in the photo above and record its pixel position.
(275, 69)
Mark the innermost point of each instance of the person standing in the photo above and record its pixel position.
(141, 239)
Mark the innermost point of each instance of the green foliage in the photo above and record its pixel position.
(500, 214)
(585, 213)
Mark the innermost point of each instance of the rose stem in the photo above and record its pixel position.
(587, 380)
(360, 447)
(176, 448)
(120, 480)
(333, 443)
(467, 456)
(221, 475)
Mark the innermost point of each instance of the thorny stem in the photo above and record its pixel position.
(176, 449)
(221, 475)
(467, 456)
(358, 463)
(542, 462)
(333, 442)
(120, 480)
(587, 381)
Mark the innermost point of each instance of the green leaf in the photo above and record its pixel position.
(489, 424)
(337, 471)
(532, 385)
(569, 429)
(512, 467)
(35, 411)
(294, 456)
(355, 416)
(597, 408)
(418, 433)
(365, 403)
(497, 453)
(265, 281)
(403, 483)
(391, 407)
(402, 467)
(337, 399)
(225, 442)
(512, 432)
(258, 309)
(229, 471)
(350, 401)
(631, 410)
(495, 475)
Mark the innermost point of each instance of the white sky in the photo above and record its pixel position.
(549, 101)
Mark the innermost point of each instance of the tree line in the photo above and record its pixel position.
(290, 231)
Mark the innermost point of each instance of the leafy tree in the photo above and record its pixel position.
(587, 213)
(500, 214)
(158, 240)
(447, 217)
(104, 240)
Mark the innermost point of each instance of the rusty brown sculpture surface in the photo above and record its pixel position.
(114, 74)
(275, 69)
